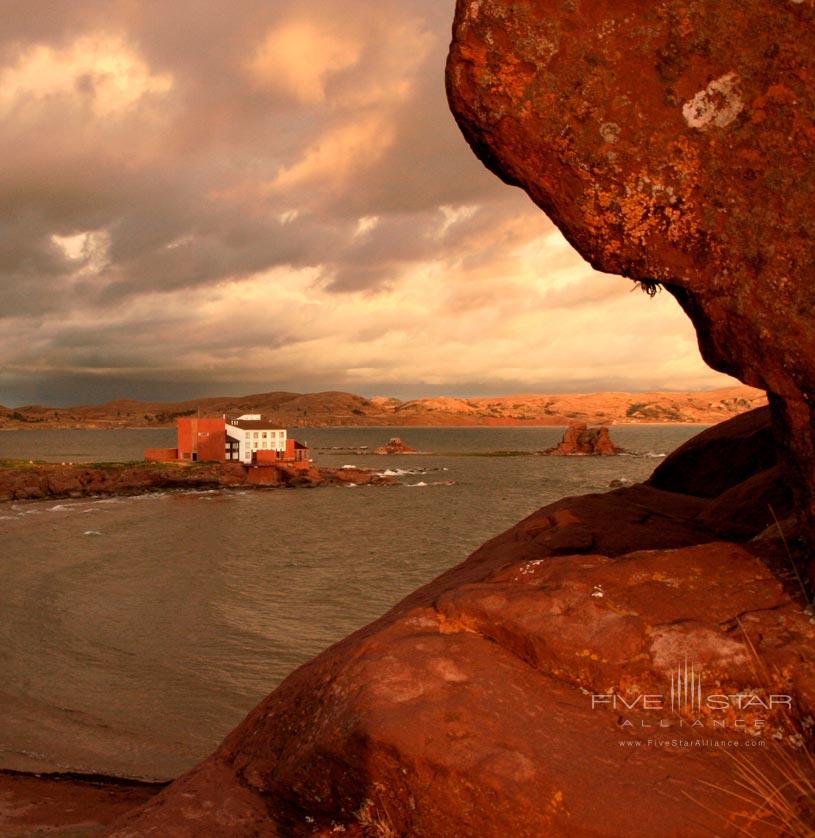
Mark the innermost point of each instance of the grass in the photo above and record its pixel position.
(784, 800)
(779, 794)
(376, 823)
(105, 464)
(21, 463)
(793, 563)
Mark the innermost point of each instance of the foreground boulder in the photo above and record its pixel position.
(580, 440)
(481, 705)
(672, 142)
(720, 457)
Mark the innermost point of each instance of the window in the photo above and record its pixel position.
(265, 434)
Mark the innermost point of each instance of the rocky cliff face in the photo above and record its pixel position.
(672, 142)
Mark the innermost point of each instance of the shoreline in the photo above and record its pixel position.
(90, 778)
(30, 481)
(486, 426)
(67, 803)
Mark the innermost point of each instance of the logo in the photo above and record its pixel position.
(686, 693)
(687, 703)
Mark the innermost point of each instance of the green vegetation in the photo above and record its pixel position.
(21, 463)
(164, 417)
(640, 410)
(649, 286)
(21, 417)
(109, 465)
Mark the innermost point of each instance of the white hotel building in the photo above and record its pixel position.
(249, 434)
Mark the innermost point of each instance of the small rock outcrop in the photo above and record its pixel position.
(672, 142)
(579, 440)
(395, 446)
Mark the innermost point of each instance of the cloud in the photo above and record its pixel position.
(298, 58)
(97, 75)
(274, 194)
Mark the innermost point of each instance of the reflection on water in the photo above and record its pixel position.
(136, 632)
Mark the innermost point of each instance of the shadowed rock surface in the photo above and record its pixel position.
(580, 440)
(672, 142)
(466, 710)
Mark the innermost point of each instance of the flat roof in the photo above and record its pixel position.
(253, 425)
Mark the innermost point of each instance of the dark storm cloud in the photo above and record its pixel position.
(214, 139)
(186, 184)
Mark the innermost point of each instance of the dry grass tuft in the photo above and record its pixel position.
(375, 824)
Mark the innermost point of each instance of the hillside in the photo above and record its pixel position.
(336, 408)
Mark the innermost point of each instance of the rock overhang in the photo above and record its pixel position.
(672, 143)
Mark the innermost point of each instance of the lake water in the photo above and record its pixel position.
(136, 632)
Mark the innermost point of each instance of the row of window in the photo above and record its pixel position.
(263, 443)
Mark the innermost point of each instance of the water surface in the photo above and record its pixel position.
(136, 632)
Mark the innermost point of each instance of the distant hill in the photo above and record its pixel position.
(336, 408)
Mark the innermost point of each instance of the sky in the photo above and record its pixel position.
(209, 198)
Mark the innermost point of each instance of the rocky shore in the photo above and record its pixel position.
(35, 481)
(66, 804)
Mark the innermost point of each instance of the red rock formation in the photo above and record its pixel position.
(672, 142)
(395, 446)
(65, 804)
(720, 458)
(580, 440)
(467, 710)
(52, 480)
